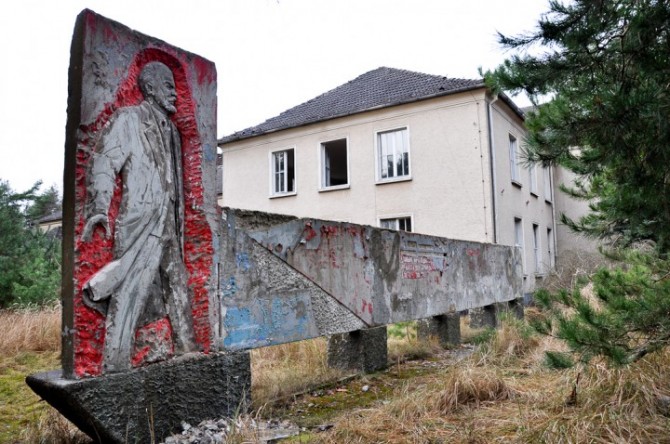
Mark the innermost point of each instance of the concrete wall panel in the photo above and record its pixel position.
(380, 276)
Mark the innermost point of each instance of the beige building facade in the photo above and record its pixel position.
(444, 162)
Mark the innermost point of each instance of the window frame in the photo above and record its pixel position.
(550, 248)
(537, 249)
(547, 184)
(322, 166)
(519, 241)
(515, 172)
(397, 218)
(378, 166)
(532, 179)
(271, 159)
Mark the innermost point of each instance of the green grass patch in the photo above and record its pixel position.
(19, 406)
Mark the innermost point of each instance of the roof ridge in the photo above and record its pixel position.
(377, 88)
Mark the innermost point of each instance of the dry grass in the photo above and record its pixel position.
(51, 427)
(470, 386)
(282, 370)
(504, 394)
(470, 334)
(404, 344)
(513, 341)
(30, 330)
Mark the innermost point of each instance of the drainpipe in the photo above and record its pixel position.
(492, 156)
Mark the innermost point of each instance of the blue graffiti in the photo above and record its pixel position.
(209, 152)
(269, 322)
(242, 330)
(243, 261)
(230, 287)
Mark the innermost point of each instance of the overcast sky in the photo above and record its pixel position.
(270, 55)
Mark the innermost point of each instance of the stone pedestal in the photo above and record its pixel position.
(150, 403)
(447, 328)
(484, 317)
(362, 350)
(515, 306)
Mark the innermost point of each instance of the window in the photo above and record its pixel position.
(283, 172)
(532, 173)
(397, 223)
(334, 164)
(536, 248)
(518, 239)
(514, 159)
(393, 154)
(546, 173)
(550, 247)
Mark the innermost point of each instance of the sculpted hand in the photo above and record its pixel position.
(101, 219)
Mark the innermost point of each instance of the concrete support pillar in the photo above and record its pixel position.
(483, 317)
(515, 306)
(363, 350)
(447, 328)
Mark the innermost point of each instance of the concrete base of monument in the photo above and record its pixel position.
(150, 403)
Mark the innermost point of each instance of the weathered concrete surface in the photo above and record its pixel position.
(446, 328)
(362, 350)
(148, 404)
(385, 276)
(267, 302)
(107, 59)
(484, 317)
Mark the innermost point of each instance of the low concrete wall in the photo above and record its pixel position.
(383, 276)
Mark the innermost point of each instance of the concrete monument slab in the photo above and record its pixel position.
(140, 221)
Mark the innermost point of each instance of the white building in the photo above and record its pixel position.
(401, 150)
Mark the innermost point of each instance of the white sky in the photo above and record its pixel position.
(270, 55)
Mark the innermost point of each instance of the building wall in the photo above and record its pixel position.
(449, 191)
(514, 199)
(572, 245)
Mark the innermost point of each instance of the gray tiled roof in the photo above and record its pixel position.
(378, 88)
(53, 217)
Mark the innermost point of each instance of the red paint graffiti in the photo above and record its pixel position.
(328, 230)
(472, 252)
(308, 233)
(149, 339)
(367, 306)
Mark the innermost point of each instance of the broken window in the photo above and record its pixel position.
(393, 154)
(397, 223)
(335, 164)
(283, 171)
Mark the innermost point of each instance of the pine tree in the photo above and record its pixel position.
(44, 204)
(29, 261)
(603, 70)
(606, 67)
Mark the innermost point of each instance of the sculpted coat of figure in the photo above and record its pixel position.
(147, 277)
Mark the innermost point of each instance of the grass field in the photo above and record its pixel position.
(500, 391)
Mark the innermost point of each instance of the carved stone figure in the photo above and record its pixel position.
(146, 279)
